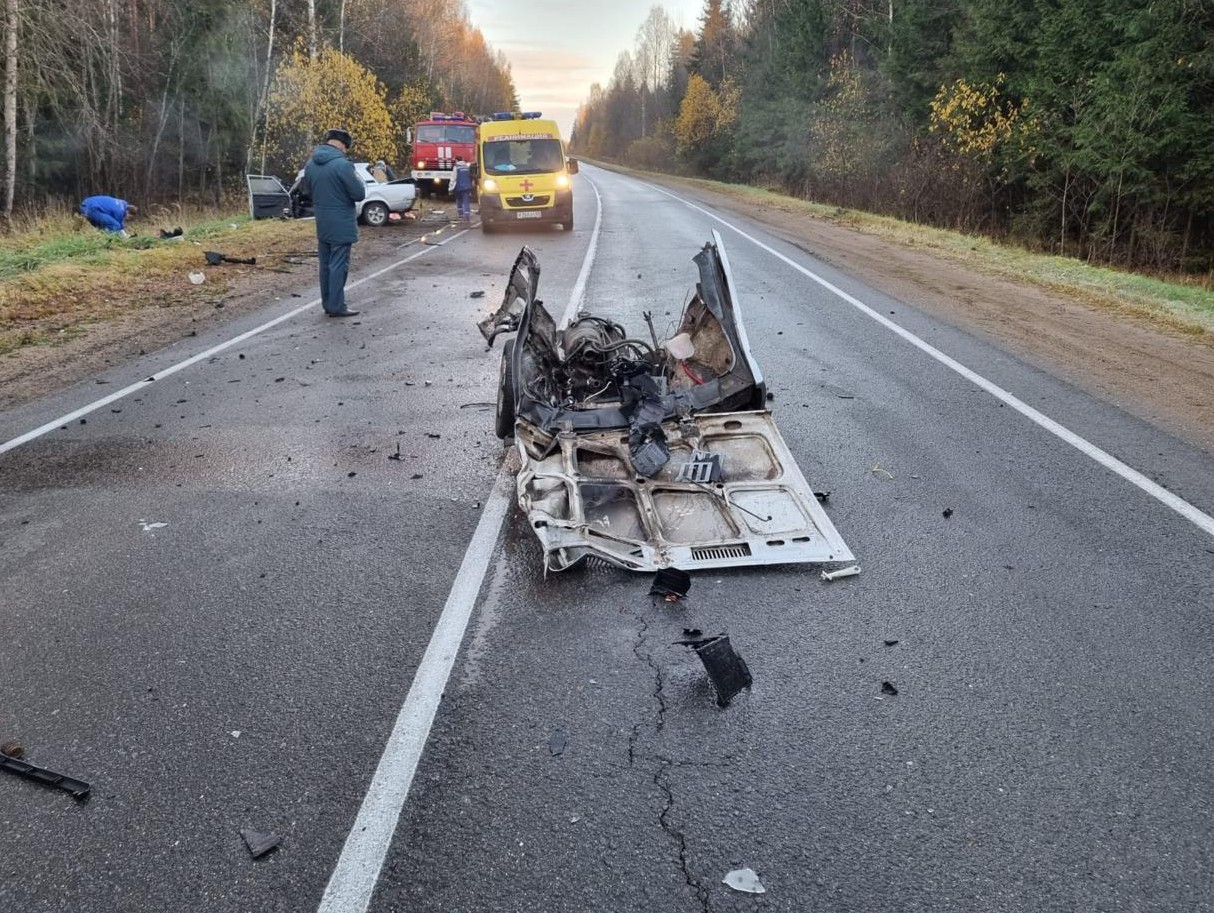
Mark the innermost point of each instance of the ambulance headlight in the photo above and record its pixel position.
(562, 181)
(490, 185)
(421, 164)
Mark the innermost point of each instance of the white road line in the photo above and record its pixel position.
(182, 365)
(352, 884)
(579, 287)
(1191, 513)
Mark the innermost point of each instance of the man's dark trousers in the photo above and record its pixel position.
(334, 260)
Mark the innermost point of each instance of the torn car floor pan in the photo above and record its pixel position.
(652, 456)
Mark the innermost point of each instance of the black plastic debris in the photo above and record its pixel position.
(670, 583)
(822, 496)
(10, 762)
(214, 258)
(888, 688)
(477, 294)
(891, 643)
(726, 670)
(170, 233)
(258, 843)
(947, 512)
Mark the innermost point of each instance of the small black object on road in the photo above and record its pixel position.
(671, 583)
(10, 762)
(258, 843)
(726, 670)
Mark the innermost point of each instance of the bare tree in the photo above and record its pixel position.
(12, 20)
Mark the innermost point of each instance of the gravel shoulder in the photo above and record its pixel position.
(1147, 368)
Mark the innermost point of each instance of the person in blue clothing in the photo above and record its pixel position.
(107, 213)
(335, 188)
(460, 184)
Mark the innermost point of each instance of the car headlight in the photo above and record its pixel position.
(562, 181)
(421, 164)
(490, 185)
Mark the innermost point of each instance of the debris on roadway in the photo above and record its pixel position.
(11, 762)
(744, 880)
(841, 573)
(671, 584)
(649, 454)
(727, 671)
(258, 843)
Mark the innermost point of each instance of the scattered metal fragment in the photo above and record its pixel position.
(479, 293)
(11, 754)
(671, 583)
(851, 571)
(258, 843)
(948, 512)
(726, 670)
(888, 688)
(822, 496)
(891, 643)
(744, 880)
(556, 743)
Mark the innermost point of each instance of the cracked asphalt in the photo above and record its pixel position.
(214, 595)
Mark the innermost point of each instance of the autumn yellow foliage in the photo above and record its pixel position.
(975, 119)
(704, 114)
(310, 96)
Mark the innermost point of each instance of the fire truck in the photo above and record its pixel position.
(436, 142)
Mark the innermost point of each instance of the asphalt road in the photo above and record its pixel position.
(217, 590)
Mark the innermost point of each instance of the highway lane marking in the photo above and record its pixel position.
(193, 360)
(352, 884)
(1191, 513)
(579, 287)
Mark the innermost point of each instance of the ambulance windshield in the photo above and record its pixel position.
(529, 156)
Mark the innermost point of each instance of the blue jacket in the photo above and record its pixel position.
(335, 188)
(107, 213)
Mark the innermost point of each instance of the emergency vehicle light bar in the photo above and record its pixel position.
(526, 115)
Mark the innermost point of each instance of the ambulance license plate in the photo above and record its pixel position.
(528, 215)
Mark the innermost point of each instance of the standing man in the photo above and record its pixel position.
(460, 184)
(107, 213)
(335, 189)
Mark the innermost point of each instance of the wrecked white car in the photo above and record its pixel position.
(649, 454)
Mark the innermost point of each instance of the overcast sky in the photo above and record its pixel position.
(557, 48)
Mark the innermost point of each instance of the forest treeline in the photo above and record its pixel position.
(170, 100)
(1079, 127)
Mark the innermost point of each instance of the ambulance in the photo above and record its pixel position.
(522, 172)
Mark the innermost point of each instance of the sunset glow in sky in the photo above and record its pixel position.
(557, 48)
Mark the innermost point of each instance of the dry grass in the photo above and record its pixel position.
(58, 274)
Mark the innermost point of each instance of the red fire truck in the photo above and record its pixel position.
(436, 142)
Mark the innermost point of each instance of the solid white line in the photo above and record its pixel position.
(1184, 508)
(182, 365)
(579, 287)
(352, 884)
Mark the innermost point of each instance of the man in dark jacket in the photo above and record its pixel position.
(335, 189)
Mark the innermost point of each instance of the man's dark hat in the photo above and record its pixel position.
(342, 137)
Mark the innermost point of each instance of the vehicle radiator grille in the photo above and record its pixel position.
(720, 552)
(534, 201)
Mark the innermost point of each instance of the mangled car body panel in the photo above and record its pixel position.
(650, 455)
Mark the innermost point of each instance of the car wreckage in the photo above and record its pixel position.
(646, 454)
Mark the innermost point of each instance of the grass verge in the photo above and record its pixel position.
(1183, 306)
